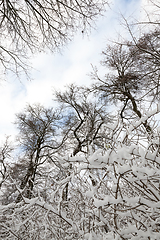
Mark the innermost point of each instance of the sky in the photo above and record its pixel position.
(73, 65)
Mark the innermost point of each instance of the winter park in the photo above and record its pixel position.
(80, 120)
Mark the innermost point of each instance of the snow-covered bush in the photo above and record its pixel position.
(114, 193)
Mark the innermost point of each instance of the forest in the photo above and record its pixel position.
(87, 168)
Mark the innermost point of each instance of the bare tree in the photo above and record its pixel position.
(87, 119)
(5, 158)
(38, 141)
(132, 79)
(30, 26)
(86, 116)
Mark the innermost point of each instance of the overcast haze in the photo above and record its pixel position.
(57, 70)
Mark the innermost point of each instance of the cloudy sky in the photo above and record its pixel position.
(57, 70)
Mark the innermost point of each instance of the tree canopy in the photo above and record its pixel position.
(30, 26)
